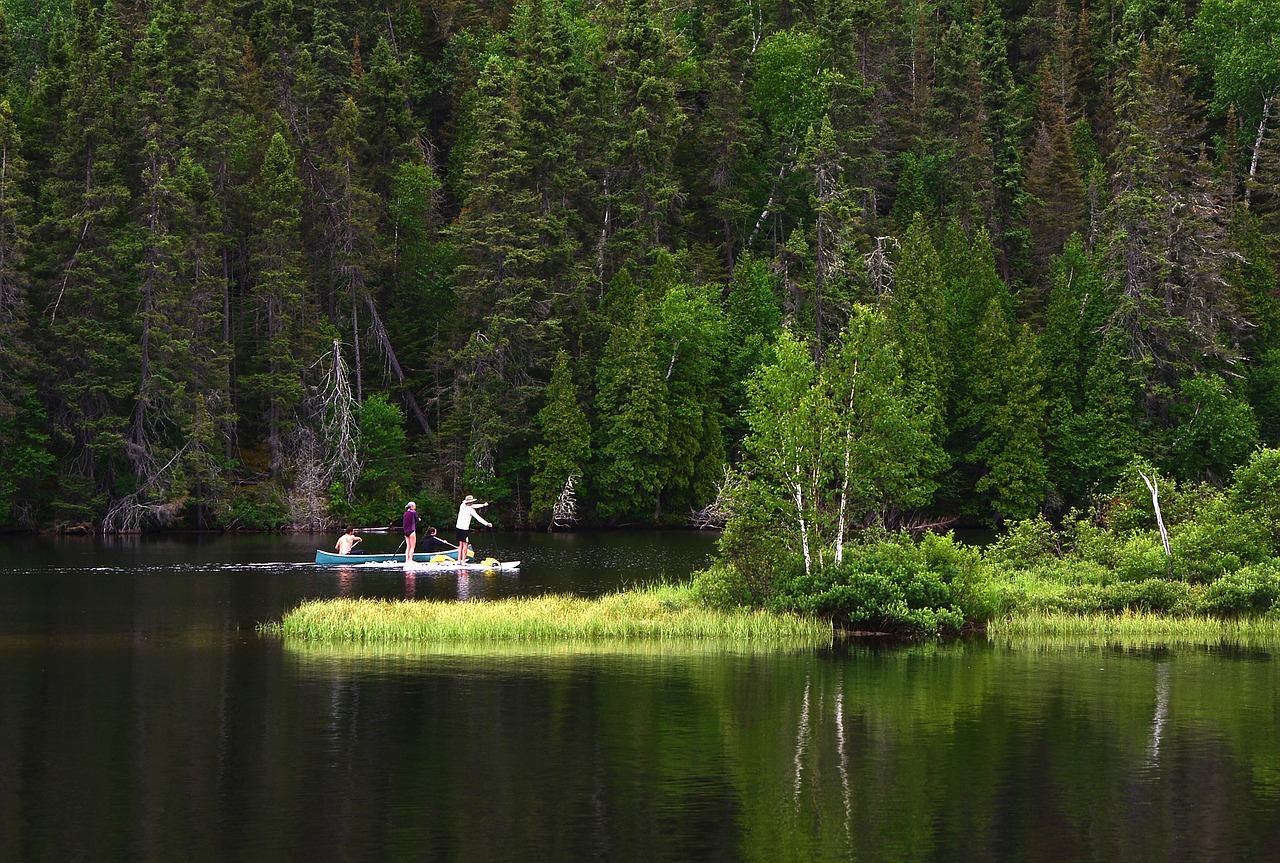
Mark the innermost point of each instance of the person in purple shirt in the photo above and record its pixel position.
(410, 531)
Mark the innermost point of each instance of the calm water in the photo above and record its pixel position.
(141, 718)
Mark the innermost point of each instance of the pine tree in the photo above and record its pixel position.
(561, 458)
(87, 252)
(1166, 244)
(1056, 195)
(632, 420)
(279, 345)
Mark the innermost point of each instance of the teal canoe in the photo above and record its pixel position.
(445, 558)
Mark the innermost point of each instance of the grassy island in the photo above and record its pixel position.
(661, 612)
(1205, 571)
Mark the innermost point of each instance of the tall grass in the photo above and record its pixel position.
(1132, 629)
(660, 612)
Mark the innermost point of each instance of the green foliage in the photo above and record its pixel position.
(892, 585)
(1249, 590)
(192, 193)
(565, 449)
(378, 492)
(1216, 429)
(261, 506)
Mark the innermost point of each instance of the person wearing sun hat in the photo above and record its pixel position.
(466, 512)
(410, 530)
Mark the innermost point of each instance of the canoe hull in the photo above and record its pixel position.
(445, 559)
(328, 558)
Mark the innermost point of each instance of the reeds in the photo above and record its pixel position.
(1133, 629)
(660, 612)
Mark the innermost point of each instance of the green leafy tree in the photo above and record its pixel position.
(1215, 429)
(691, 332)
(878, 448)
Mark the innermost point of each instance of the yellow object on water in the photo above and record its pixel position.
(491, 562)
(440, 558)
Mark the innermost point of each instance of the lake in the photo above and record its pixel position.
(143, 718)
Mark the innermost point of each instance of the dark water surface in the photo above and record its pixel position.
(142, 718)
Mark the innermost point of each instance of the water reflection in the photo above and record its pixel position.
(143, 718)
(938, 752)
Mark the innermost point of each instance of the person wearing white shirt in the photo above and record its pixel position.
(466, 512)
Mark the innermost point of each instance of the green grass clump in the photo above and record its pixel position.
(1132, 629)
(659, 612)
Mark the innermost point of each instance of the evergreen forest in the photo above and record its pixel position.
(277, 264)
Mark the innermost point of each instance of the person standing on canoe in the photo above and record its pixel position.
(410, 530)
(348, 541)
(466, 512)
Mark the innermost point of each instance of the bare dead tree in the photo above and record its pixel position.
(565, 511)
(879, 265)
(716, 514)
(338, 412)
(150, 502)
(307, 496)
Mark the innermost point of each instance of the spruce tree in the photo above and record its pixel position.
(87, 244)
(632, 420)
(279, 344)
(917, 314)
(23, 434)
(1056, 194)
(561, 457)
(639, 198)
(1166, 244)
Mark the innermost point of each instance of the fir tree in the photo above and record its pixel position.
(279, 343)
(1056, 195)
(87, 247)
(560, 459)
(633, 422)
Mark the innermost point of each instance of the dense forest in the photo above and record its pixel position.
(284, 262)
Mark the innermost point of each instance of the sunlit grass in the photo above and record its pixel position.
(661, 612)
(1131, 629)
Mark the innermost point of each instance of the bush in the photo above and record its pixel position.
(1255, 493)
(1026, 543)
(724, 586)
(890, 585)
(1251, 590)
(1142, 557)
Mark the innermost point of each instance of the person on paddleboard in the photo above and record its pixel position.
(466, 512)
(348, 541)
(410, 530)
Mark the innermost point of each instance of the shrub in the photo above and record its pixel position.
(1251, 590)
(1025, 543)
(1255, 493)
(1142, 557)
(1220, 541)
(888, 585)
(723, 585)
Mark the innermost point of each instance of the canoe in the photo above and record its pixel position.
(442, 559)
